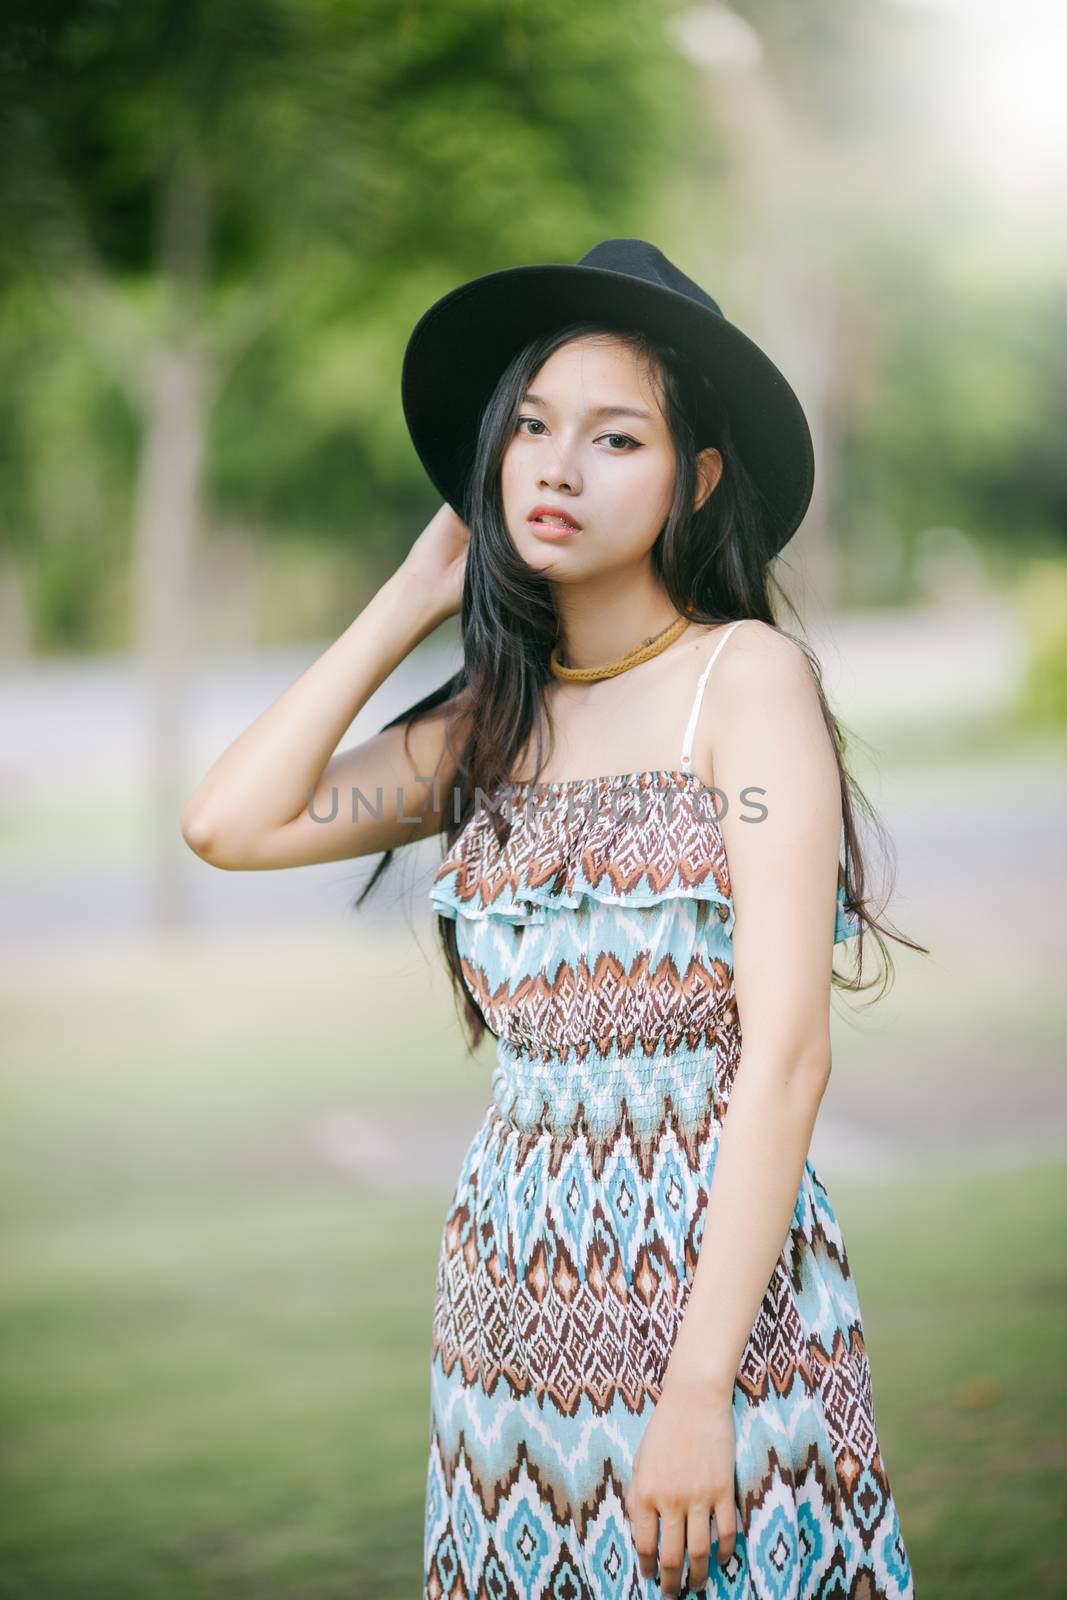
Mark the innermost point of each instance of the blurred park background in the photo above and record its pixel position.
(232, 1109)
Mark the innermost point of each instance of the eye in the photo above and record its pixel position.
(627, 442)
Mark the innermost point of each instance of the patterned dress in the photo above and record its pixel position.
(597, 943)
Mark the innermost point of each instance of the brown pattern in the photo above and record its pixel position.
(586, 1009)
(612, 841)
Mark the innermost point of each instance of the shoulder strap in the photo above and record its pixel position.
(691, 728)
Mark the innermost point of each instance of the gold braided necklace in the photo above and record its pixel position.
(643, 652)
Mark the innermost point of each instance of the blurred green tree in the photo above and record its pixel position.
(240, 208)
(235, 211)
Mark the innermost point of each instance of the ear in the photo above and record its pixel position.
(709, 471)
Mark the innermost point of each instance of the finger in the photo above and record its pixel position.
(645, 1524)
(726, 1523)
(671, 1550)
(698, 1544)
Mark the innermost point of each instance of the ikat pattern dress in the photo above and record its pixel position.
(597, 943)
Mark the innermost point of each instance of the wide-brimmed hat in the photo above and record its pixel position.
(461, 345)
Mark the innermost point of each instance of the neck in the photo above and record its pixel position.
(602, 619)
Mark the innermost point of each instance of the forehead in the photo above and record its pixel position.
(596, 375)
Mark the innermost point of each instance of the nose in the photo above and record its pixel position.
(560, 468)
(560, 475)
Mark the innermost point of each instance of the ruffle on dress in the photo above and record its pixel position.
(630, 839)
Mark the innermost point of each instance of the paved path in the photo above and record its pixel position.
(978, 850)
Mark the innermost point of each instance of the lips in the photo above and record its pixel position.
(544, 516)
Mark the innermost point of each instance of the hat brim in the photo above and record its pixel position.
(460, 346)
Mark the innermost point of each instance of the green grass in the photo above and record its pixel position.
(963, 1284)
(217, 1395)
(214, 1351)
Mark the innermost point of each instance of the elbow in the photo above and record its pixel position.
(796, 1065)
(193, 830)
(814, 1063)
(807, 1060)
(202, 839)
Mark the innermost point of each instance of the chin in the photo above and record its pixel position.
(536, 551)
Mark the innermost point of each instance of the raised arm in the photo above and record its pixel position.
(251, 810)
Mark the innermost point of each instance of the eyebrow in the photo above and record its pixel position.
(595, 411)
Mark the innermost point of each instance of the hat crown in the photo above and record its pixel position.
(637, 258)
(462, 343)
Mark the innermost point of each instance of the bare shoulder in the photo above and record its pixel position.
(764, 694)
(757, 660)
(768, 730)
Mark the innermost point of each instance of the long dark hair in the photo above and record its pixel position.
(713, 564)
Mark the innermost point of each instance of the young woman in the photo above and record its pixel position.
(648, 1363)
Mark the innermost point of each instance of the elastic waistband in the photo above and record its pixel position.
(631, 1065)
(536, 1092)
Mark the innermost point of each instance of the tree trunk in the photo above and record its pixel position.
(793, 294)
(166, 528)
(178, 389)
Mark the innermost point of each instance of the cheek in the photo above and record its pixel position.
(645, 492)
(645, 509)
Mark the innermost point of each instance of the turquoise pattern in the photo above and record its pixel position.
(596, 937)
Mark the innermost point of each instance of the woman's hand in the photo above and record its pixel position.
(437, 561)
(684, 1471)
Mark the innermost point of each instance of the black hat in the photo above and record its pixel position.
(461, 345)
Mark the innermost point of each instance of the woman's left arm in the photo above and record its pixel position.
(782, 842)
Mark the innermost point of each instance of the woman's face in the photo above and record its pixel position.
(613, 474)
